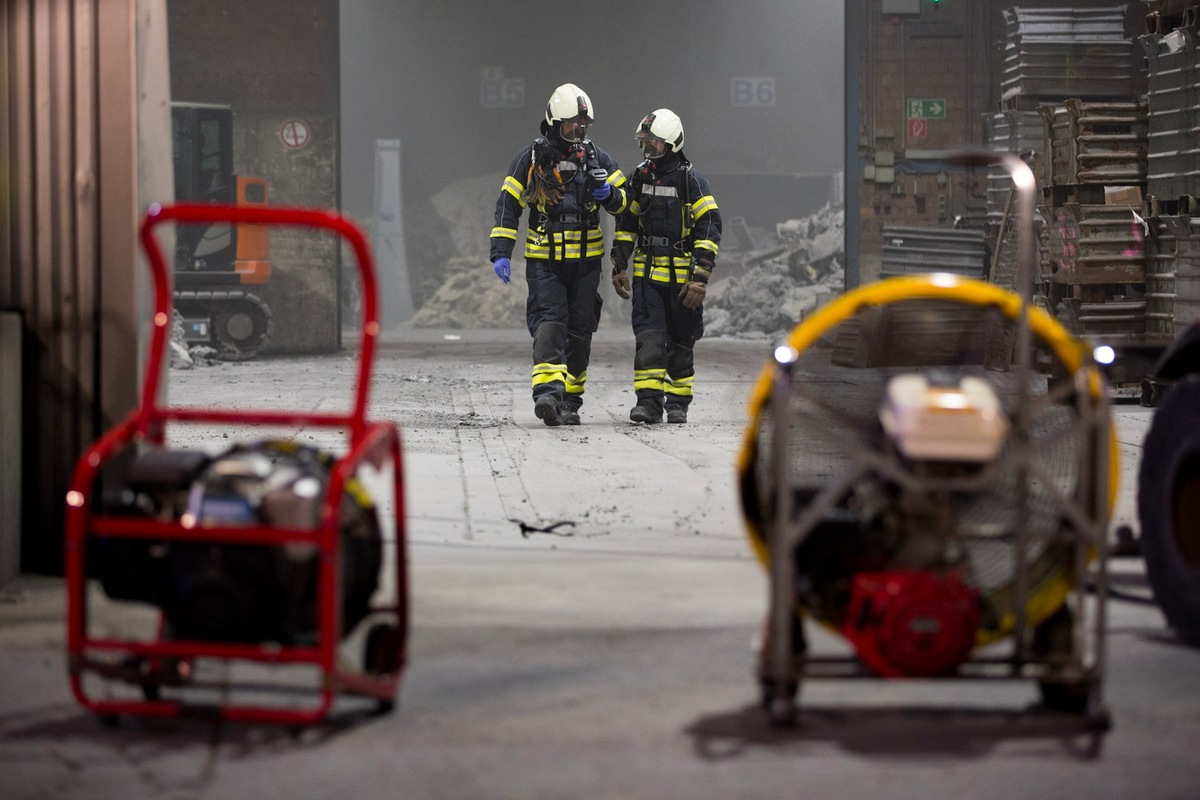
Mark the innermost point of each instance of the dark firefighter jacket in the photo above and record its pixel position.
(557, 226)
(672, 225)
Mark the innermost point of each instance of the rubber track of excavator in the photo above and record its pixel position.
(221, 307)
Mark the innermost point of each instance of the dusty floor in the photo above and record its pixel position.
(609, 657)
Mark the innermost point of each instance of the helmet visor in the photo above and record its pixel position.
(574, 130)
(652, 146)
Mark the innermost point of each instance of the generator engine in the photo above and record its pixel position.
(911, 624)
(234, 592)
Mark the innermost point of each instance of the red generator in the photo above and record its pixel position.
(263, 566)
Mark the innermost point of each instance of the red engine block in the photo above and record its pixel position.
(911, 624)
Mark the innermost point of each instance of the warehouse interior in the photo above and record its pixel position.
(1046, 149)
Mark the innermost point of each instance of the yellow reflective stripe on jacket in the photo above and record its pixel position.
(515, 188)
(617, 178)
(703, 206)
(705, 244)
(625, 236)
(504, 233)
(660, 268)
(566, 244)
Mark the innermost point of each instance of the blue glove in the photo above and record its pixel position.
(503, 269)
(602, 191)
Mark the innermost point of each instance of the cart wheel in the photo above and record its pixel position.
(1067, 698)
(1052, 636)
(381, 653)
(780, 710)
(1052, 641)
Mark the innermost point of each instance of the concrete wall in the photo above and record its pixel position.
(274, 61)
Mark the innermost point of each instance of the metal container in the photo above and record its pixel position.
(1095, 244)
(1173, 156)
(1187, 271)
(1160, 277)
(910, 251)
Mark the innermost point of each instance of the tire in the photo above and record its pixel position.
(381, 651)
(1169, 507)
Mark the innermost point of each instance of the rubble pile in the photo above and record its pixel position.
(470, 296)
(783, 285)
(181, 355)
(764, 293)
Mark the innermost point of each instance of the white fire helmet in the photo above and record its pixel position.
(658, 132)
(570, 111)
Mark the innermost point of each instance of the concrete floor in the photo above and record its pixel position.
(608, 657)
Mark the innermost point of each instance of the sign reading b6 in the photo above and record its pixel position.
(752, 92)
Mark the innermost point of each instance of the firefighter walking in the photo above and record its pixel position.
(671, 230)
(562, 179)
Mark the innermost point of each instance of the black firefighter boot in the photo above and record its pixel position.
(546, 409)
(677, 415)
(549, 342)
(648, 410)
(569, 414)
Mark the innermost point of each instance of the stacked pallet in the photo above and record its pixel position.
(1062, 52)
(1170, 45)
(1051, 54)
(1174, 105)
(1095, 272)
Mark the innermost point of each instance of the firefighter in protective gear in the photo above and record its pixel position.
(670, 231)
(562, 179)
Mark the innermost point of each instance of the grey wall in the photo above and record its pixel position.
(412, 71)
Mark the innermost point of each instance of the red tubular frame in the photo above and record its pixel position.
(369, 442)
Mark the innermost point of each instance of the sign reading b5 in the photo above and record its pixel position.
(926, 109)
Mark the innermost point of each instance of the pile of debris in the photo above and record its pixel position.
(764, 293)
(470, 296)
(184, 356)
(779, 288)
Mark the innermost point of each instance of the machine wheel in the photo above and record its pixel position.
(381, 656)
(240, 323)
(1169, 507)
(241, 326)
(1067, 698)
(381, 652)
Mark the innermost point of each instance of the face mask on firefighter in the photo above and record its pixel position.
(652, 146)
(574, 130)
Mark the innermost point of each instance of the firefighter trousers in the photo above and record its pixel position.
(562, 312)
(665, 332)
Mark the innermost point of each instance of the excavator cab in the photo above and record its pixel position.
(214, 264)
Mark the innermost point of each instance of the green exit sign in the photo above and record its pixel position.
(926, 109)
